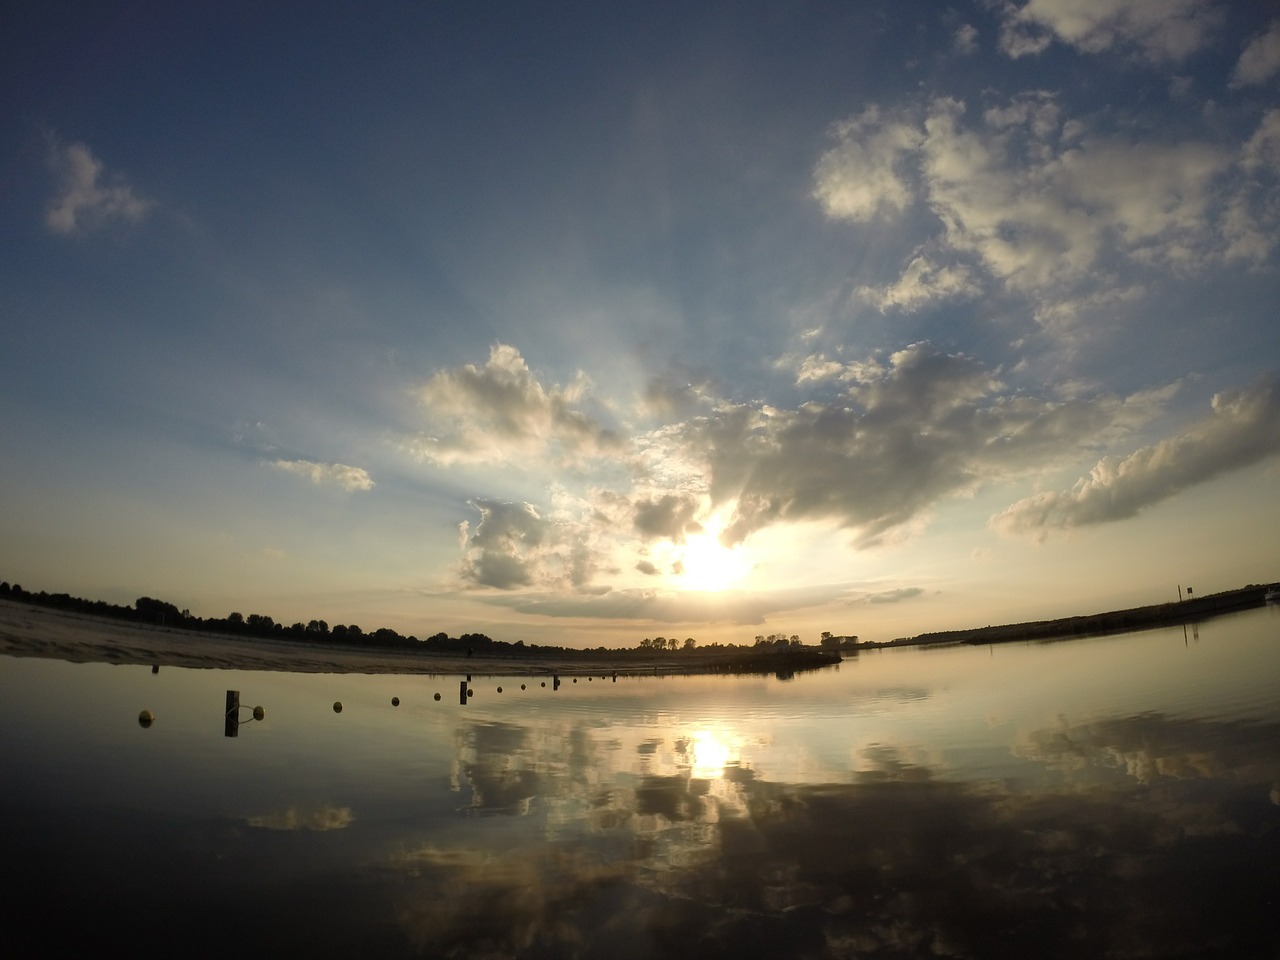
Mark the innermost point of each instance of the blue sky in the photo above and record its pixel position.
(582, 323)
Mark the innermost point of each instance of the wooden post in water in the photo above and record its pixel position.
(233, 714)
(462, 692)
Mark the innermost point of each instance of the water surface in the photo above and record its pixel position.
(1104, 797)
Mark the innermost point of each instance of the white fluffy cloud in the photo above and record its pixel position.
(1260, 60)
(922, 282)
(86, 198)
(1243, 428)
(877, 147)
(904, 434)
(1156, 30)
(1046, 207)
(329, 474)
(499, 413)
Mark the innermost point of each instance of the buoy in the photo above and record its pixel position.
(146, 718)
(522, 686)
(437, 696)
(337, 706)
(395, 701)
(470, 692)
(258, 713)
(499, 689)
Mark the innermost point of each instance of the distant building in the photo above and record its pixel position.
(831, 641)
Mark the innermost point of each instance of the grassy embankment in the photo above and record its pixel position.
(1116, 621)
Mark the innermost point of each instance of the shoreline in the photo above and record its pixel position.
(1097, 624)
(30, 630)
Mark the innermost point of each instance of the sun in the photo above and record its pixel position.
(704, 564)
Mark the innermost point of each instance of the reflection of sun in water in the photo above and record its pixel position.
(704, 564)
(709, 753)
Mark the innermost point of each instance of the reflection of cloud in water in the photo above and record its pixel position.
(298, 818)
(1171, 851)
(497, 760)
(885, 762)
(1152, 747)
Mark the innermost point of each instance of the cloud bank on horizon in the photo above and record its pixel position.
(608, 338)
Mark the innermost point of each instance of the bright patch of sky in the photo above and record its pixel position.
(602, 321)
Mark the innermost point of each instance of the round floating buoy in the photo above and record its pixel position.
(337, 706)
(437, 696)
(395, 701)
(146, 718)
(499, 689)
(470, 692)
(544, 683)
(522, 686)
(258, 713)
(575, 679)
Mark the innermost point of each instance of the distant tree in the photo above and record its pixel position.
(157, 611)
(386, 637)
(235, 619)
(690, 643)
(318, 627)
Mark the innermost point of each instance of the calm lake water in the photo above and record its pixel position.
(1110, 797)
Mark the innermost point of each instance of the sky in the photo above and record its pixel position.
(583, 323)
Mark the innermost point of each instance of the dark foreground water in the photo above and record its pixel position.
(1114, 797)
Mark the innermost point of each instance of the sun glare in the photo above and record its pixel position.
(710, 752)
(704, 564)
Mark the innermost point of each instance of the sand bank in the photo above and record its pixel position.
(33, 631)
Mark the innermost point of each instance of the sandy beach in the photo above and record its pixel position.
(33, 631)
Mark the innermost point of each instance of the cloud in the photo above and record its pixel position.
(670, 516)
(923, 282)
(334, 474)
(1155, 30)
(85, 200)
(655, 605)
(895, 596)
(1260, 60)
(514, 545)
(500, 413)
(965, 40)
(927, 427)
(1045, 207)
(320, 819)
(1261, 151)
(1243, 428)
(863, 175)
(901, 435)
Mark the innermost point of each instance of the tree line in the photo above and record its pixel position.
(161, 613)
